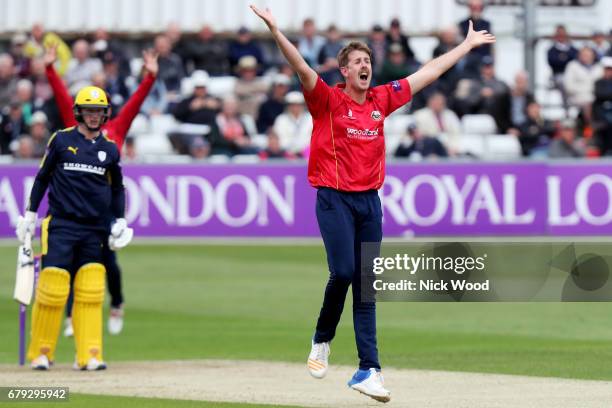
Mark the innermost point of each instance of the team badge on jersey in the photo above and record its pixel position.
(375, 115)
(102, 156)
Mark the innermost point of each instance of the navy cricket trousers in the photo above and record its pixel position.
(346, 220)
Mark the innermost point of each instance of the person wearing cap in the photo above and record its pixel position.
(396, 65)
(395, 35)
(565, 145)
(274, 104)
(244, 45)
(39, 133)
(378, 44)
(346, 165)
(294, 126)
(22, 62)
(485, 95)
(250, 89)
(602, 107)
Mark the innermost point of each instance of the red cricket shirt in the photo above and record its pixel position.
(347, 147)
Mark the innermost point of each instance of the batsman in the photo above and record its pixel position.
(82, 172)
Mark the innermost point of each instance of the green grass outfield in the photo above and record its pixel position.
(261, 302)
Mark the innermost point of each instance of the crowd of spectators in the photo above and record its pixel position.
(266, 98)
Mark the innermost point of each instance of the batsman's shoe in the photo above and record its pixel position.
(92, 365)
(371, 383)
(318, 359)
(68, 329)
(115, 320)
(40, 363)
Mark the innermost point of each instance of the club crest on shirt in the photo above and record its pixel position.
(101, 156)
(349, 115)
(375, 115)
(73, 150)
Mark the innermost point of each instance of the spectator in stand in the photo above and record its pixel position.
(244, 46)
(12, 126)
(24, 95)
(486, 94)
(274, 105)
(396, 65)
(559, 55)
(8, 79)
(206, 52)
(40, 41)
(156, 102)
(199, 148)
(233, 137)
(448, 39)
(274, 149)
(170, 67)
(310, 43)
(174, 34)
(25, 148)
(378, 44)
(250, 89)
(103, 45)
(129, 150)
(535, 133)
(42, 90)
(21, 61)
(40, 134)
(566, 145)
(521, 96)
(475, 58)
(294, 126)
(436, 120)
(328, 64)
(416, 146)
(599, 44)
(82, 67)
(199, 108)
(395, 36)
(116, 87)
(579, 81)
(602, 108)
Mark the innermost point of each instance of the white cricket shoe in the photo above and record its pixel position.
(68, 329)
(371, 383)
(115, 320)
(92, 365)
(40, 363)
(318, 359)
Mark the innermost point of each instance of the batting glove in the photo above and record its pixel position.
(26, 224)
(121, 235)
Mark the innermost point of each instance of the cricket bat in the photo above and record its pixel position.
(24, 282)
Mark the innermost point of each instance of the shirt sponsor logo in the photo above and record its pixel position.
(364, 134)
(101, 156)
(73, 149)
(85, 168)
(376, 115)
(396, 86)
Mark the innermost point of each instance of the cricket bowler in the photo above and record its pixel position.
(347, 167)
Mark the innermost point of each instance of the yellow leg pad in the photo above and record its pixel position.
(87, 311)
(51, 294)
